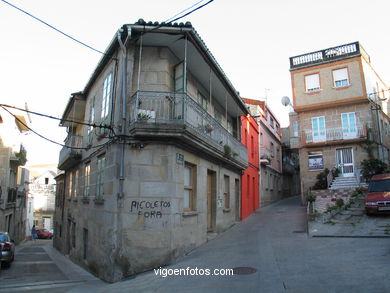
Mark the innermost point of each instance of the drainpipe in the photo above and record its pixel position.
(123, 117)
(138, 78)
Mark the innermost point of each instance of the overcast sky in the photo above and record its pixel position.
(252, 40)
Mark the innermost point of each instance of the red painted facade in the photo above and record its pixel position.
(250, 178)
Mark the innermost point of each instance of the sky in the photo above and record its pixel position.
(252, 40)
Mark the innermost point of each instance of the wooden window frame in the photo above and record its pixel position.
(191, 188)
(226, 191)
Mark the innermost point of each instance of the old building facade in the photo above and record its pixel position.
(250, 199)
(341, 106)
(13, 177)
(158, 165)
(270, 136)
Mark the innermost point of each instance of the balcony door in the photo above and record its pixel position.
(318, 129)
(344, 159)
(348, 121)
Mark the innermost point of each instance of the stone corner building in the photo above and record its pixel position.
(158, 169)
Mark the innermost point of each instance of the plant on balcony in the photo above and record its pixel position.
(228, 150)
(322, 182)
(266, 157)
(22, 157)
(372, 167)
(143, 116)
(208, 128)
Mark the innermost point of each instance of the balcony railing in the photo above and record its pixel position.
(170, 109)
(70, 154)
(338, 133)
(322, 56)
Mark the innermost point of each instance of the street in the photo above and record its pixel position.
(271, 252)
(38, 267)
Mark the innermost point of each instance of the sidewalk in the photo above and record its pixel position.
(352, 222)
(38, 267)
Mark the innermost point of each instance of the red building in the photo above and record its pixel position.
(250, 179)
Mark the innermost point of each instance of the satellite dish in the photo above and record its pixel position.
(286, 101)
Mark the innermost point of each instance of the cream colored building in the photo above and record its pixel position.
(340, 104)
(159, 172)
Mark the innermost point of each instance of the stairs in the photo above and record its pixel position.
(345, 183)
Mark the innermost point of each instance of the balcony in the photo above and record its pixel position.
(328, 55)
(69, 156)
(335, 135)
(177, 117)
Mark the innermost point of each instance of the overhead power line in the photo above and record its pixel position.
(50, 140)
(52, 27)
(190, 12)
(56, 118)
(169, 19)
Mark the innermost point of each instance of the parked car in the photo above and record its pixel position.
(7, 249)
(378, 196)
(44, 234)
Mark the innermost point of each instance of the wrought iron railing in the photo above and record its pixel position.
(72, 142)
(179, 108)
(338, 133)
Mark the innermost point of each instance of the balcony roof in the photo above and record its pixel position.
(328, 55)
(199, 58)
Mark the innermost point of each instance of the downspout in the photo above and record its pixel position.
(185, 80)
(138, 79)
(123, 117)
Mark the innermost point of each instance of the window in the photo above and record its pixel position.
(76, 183)
(70, 186)
(100, 177)
(203, 101)
(230, 125)
(272, 149)
(315, 160)
(91, 114)
(46, 180)
(340, 77)
(252, 147)
(179, 78)
(217, 115)
(106, 95)
(85, 243)
(348, 121)
(312, 82)
(226, 191)
(87, 178)
(318, 129)
(295, 128)
(189, 187)
(272, 122)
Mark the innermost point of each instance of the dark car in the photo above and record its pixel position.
(378, 196)
(44, 234)
(7, 249)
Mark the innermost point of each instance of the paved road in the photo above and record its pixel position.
(272, 241)
(38, 267)
(286, 260)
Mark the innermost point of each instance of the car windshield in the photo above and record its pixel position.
(379, 186)
(3, 237)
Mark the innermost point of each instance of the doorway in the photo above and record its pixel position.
(237, 198)
(344, 160)
(211, 200)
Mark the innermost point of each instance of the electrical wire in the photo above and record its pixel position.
(169, 19)
(192, 11)
(56, 118)
(52, 141)
(54, 28)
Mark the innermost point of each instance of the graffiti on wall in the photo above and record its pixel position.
(149, 209)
